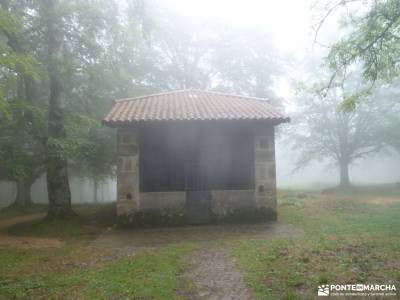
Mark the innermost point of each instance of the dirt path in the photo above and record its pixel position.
(8, 222)
(22, 242)
(212, 274)
(210, 271)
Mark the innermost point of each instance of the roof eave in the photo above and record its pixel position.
(117, 124)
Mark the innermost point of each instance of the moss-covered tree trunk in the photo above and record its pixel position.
(57, 170)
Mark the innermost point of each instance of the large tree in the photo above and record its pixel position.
(79, 41)
(177, 53)
(58, 188)
(323, 131)
(180, 53)
(73, 44)
(22, 117)
(89, 52)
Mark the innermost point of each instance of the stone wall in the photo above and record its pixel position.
(128, 195)
(168, 201)
(260, 202)
(225, 202)
(156, 209)
(265, 172)
(237, 206)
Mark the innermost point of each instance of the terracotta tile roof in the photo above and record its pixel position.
(191, 104)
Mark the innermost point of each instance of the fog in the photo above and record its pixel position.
(295, 36)
(82, 191)
(287, 27)
(378, 169)
(219, 149)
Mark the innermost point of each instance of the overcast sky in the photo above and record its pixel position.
(289, 23)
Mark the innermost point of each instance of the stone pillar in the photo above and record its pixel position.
(127, 171)
(265, 173)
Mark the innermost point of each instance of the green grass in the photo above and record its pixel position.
(76, 271)
(387, 190)
(149, 275)
(347, 239)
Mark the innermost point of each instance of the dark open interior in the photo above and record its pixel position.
(181, 157)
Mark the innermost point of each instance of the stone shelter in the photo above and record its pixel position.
(194, 156)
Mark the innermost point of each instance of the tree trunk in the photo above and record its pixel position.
(27, 193)
(20, 198)
(57, 171)
(344, 175)
(23, 198)
(95, 188)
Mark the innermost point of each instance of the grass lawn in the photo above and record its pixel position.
(353, 238)
(149, 275)
(72, 271)
(348, 239)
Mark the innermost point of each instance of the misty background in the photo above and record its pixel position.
(293, 47)
(375, 170)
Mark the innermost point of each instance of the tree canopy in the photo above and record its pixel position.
(370, 41)
(323, 131)
(64, 61)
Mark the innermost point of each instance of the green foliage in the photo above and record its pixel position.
(94, 151)
(350, 102)
(372, 40)
(5, 114)
(107, 52)
(21, 119)
(87, 29)
(8, 23)
(21, 148)
(13, 60)
(17, 62)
